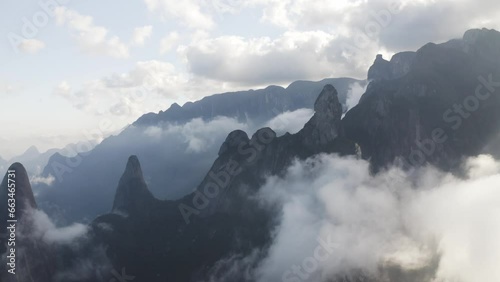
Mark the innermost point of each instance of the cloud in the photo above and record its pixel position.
(45, 230)
(31, 46)
(91, 38)
(188, 12)
(262, 60)
(424, 227)
(328, 38)
(169, 42)
(141, 34)
(63, 89)
(355, 92)
(149, 87)
(198, 135)
(45, 180)
(291, 122)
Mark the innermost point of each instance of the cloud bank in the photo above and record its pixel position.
(336, 220)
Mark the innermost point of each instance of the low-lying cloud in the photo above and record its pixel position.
(291, 122)
(337, 220)
(356, 90)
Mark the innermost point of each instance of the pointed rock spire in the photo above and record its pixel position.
(325, 126)
(133, 169)
(328, 103)
(23, 194)
(132, 192)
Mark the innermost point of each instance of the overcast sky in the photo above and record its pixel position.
(66, 69)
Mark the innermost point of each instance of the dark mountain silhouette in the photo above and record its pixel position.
(191, 234)
(34, 260)
(444, 107)
(171, 170)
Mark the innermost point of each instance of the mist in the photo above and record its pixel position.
(337, 220)
(356, 90)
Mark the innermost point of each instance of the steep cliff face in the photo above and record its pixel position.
(442, 109)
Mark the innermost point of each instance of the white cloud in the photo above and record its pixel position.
(188, 12)
(150, 86)
(291, 122)
(431, 225)
(63, 89)
(46, 230)
(141, 34)
(45, 180)
(262, 60)
(31, 46)
(199, 136)
(168, 42)
(354, 94)
(92, 38)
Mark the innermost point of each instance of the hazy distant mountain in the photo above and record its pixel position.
(33, 160)
(176, 146)
(256, 105)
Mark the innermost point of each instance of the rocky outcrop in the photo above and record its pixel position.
(397, 67)
(132, 193)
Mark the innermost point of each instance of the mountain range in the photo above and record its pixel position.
(177, 146)
(436, 106)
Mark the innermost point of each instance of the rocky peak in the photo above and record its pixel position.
(132, 192)
(325, 125)
(133, 169)
(23, 192)
(398, 66)
(380, 69)
(233, 140)
(328, 102)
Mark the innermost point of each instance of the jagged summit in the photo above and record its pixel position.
(132, 192)
(325, 126)
(328, 102)
(398, 66)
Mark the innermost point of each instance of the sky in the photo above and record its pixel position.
(76, 70)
